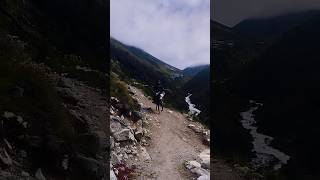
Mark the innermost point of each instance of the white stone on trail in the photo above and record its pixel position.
(200, 171)
(124, 135)
(112, 175)
(194, 128)
(205, 158)
(192, 164)
(204, 177)
(39, 175)
(197, 168)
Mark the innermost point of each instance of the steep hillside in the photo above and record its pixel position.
(191, 71)
(199, 87)
(270, 28)
(52, 89)
(286, 80)
(230, 56)
(136, 63)
(232, 53)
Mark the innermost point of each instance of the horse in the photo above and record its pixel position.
(159, 100)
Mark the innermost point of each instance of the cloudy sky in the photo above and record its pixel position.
(230, 12)
(175, 31)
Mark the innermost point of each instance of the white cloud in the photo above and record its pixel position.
(175, 31)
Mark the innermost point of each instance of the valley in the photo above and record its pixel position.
(276, 67)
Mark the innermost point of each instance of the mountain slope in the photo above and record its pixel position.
(191, 71)
(199, 87)
(140, 65)
(272, 27)
(53, 72)
(228, 61)
(286, 79)
(132, 64)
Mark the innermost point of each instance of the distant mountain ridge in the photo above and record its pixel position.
(272, 27)
(138, 64)
(191, 71)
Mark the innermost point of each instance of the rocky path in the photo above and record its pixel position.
(172, 143)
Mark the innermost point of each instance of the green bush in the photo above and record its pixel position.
(119, 89)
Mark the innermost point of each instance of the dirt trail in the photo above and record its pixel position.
(172, 142)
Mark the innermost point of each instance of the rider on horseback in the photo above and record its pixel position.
(158, 95)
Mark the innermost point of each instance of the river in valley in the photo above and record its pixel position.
(265, 154)
(192, 108)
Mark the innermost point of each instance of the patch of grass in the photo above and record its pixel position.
(119, 89)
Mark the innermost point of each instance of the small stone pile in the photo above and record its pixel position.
(201, 168)
(127, 140)
(13, 159)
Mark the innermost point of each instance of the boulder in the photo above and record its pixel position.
(124, 135)
(204, 177)
(205, 158)
(115, 159)
(25, 174)
(12, 125)
(5, 158)
(138, 134)
(200, 171)
(136, 115)
(111, 142)
(194, 128)
(112, 175)
(192, 164)
(114, 100)
(115, 125)
(87, 168)
(39, 175)
(112, 111)
(8, 115)
(65, 83)
(68, 95)
(195, 168)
